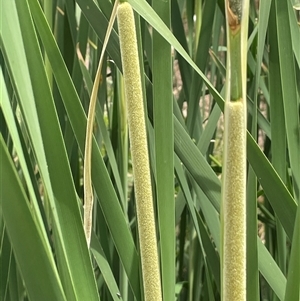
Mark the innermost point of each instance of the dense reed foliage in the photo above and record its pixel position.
(49, 53)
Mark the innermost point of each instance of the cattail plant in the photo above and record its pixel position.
(139, 153)
(233, 211)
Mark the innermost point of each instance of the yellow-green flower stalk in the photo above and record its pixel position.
(233, 209)
(139, 153)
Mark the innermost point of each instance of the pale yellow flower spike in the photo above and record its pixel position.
(234, 204)
(139, 153)
(233, 209)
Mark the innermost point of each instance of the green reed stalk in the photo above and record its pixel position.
(233, 209)
(139, 153)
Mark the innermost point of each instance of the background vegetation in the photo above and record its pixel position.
(49, 55)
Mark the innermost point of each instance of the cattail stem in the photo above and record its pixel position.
(235, 66)
(233, 209)
(139, 153)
